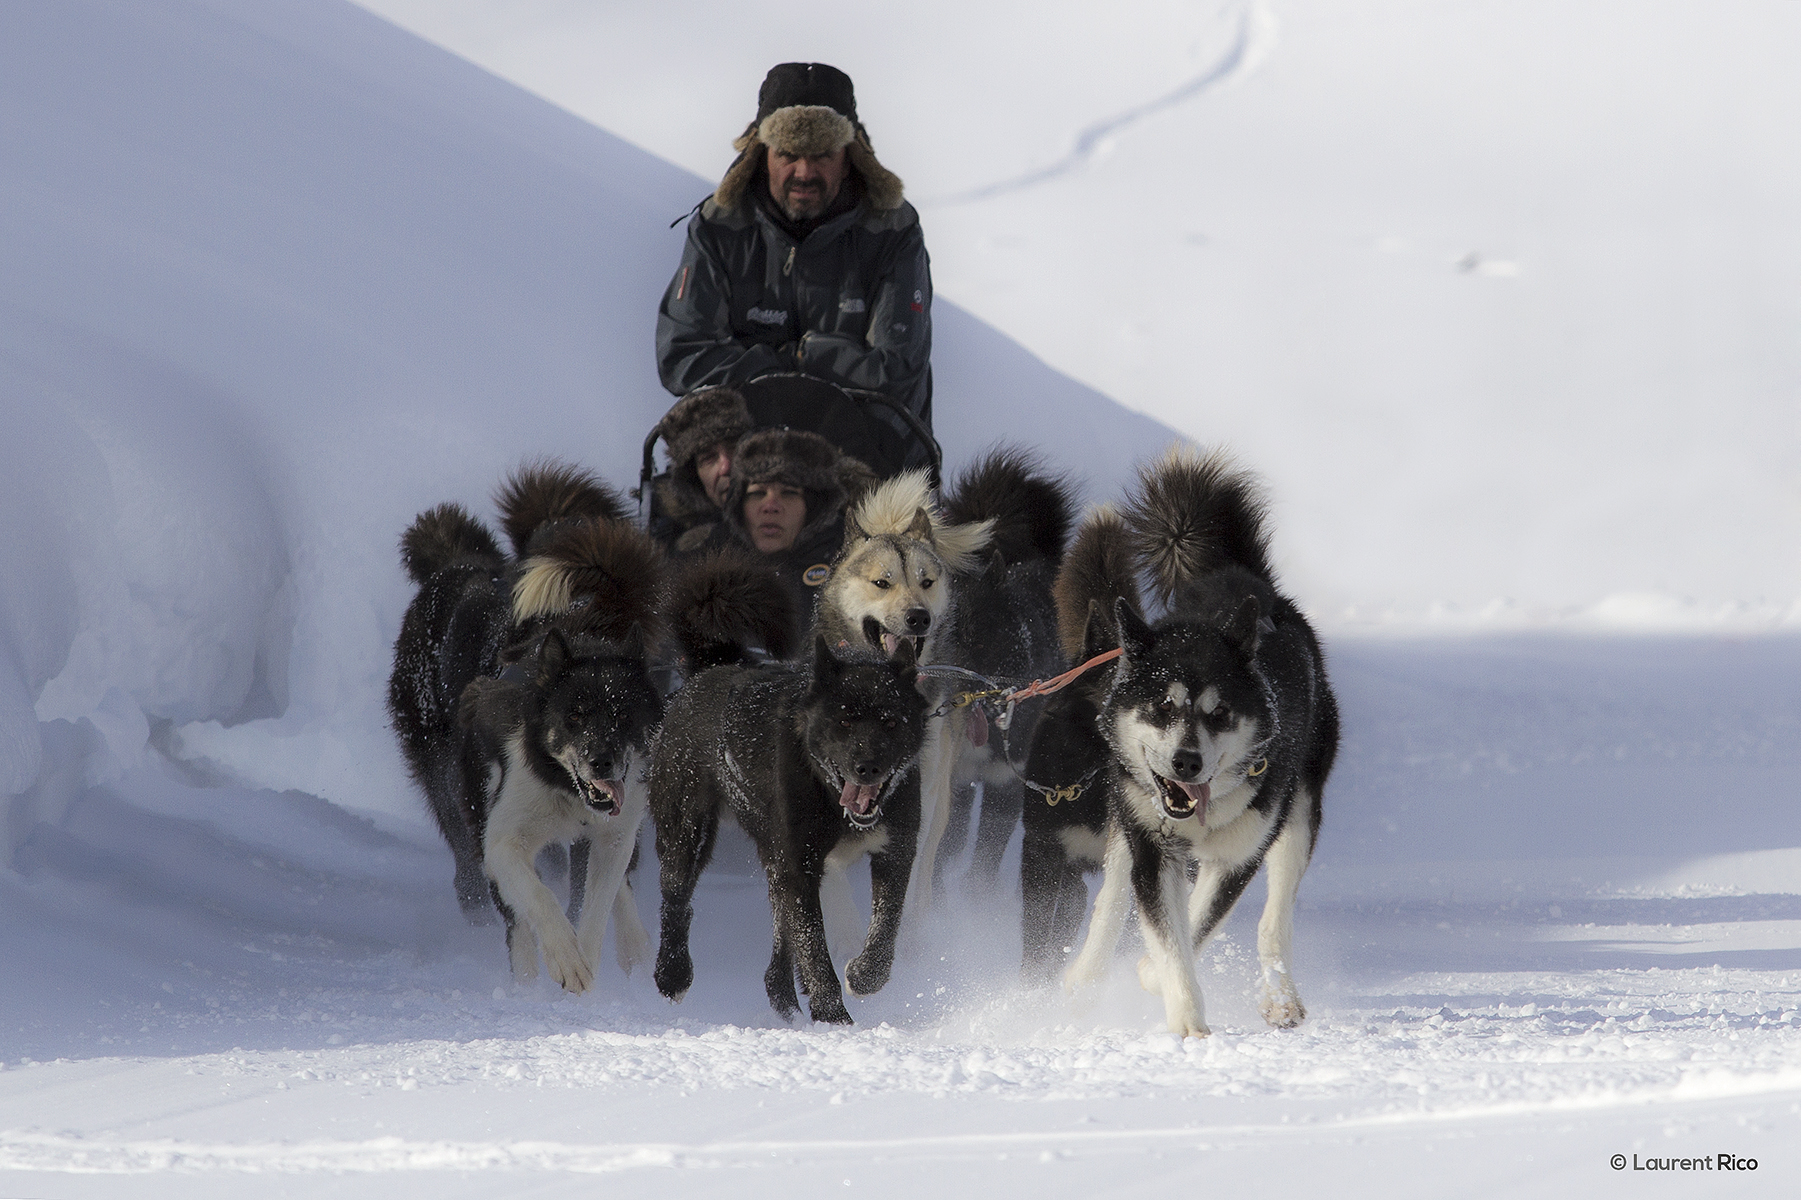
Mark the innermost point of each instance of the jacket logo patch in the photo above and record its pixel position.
(851, 304)
(768, 316)
(816, 574)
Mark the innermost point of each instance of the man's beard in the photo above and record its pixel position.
(804, 204)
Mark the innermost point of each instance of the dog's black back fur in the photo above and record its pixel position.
(779, 744)
(453, 632)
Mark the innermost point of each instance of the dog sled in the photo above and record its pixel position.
(877, 429)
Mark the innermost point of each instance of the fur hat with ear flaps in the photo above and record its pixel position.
(705, 417)
(806, 109)
(829, 477)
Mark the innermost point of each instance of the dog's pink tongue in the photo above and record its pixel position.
(889, 642)
(858, 796)
(978, 726)
(1200, 793)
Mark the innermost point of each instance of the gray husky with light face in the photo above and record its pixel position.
(1220, 725)
(895, 583)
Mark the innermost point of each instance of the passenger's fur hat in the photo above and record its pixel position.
(791, 456)
(807, 109)
(829, 477)
(704, 417)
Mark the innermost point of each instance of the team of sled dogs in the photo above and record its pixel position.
(531, 694)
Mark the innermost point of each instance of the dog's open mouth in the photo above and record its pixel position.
(862, 803)
(1183, 800)
(887, 643)
(604, 796)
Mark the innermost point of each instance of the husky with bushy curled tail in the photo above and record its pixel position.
(1221, 730)
(463, 628)
(1009, 622)
(459, 627)
(557, 749)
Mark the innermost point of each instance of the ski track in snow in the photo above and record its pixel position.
(1255, 28)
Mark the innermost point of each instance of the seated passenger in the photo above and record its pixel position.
(699, 433)
(787, 496)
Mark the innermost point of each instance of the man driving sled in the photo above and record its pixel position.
(805, 259)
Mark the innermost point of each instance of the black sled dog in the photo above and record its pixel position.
(1008, 621)
(1065, 833)
(555, 749)
(816, 761)
(1221, 729)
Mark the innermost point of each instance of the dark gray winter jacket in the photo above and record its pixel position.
(850, 303)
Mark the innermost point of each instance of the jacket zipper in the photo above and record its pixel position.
(788, 266)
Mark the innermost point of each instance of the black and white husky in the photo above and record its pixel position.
(553, 750)
(1221, 727)
(460, 626)
(816, 762)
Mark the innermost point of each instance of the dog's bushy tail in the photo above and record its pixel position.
(892, 509)
(442, 535)
(1099, 569)
(546, 492)
(1192, 513)
(1030, 506)
(593, 577)
(721, 605)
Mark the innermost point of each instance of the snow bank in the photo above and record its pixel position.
(283, 276)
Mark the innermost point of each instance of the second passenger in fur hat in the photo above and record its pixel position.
(786, 499)
(700, 432)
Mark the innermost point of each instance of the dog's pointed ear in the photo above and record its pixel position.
(1098, 636)
(553, 652)
(1135, 637)
(921, 528)
(997, 566)
(1246, 626)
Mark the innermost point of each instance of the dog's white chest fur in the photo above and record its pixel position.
(532, 809)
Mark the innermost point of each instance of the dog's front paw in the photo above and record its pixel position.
(1189, 1027)
(830, 1011)
(674, 973)
(1281, 1005)
(778, 985)
(868, 973)
(564, 960)
(1149, 977)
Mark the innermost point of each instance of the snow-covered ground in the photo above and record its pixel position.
(278, 275)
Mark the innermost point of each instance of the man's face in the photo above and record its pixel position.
(806, 187)
(774, 513)
(714, 466)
